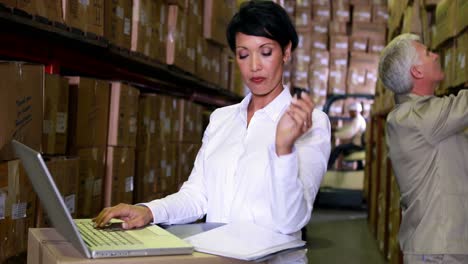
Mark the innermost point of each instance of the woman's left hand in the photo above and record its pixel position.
(294, 123)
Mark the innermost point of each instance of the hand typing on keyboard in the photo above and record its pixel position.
(133, 216)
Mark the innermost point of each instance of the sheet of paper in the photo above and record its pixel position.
(246, 241)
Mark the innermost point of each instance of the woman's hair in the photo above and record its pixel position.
(395, 63)
(263, 19)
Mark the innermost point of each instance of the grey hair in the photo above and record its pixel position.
(395, 63)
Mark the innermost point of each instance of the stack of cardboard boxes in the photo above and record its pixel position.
(338, 48)
(21, 99)
(169, 135)
(187, 34)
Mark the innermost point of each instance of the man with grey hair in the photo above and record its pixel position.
(429, 154)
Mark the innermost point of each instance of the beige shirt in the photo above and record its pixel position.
(429, 154)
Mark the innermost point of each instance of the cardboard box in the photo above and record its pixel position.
(303, 17)
(362, 74)
(370, 30)
(339, 59)
(376, 45)
(214, 57)
(320, 27)
(461, 67)
(362, 13)
(412, 20)
(380, 14)
(142, 27)
(303, 3)
(177, 116)
(337, 80)
(337, 28)
(225, 61)
(341, 10)
(301, 68)
(177, 38)
(319, 41)
(120, 175)
(216, 17)
(356, 80)
(147, 178)
(192, 115)
(47, 246)
(65, 171)
(21, 102)
(90, 190)
(304, 37)
(320, 58)
(123, 115)
(164, 130)
(17, 208)
(148, 120)
(187, 152)
(89, 113)
(194, 32)
(55, 124)
(75, 14)
(51, 9)
(338, 43)
(445, 22)
(461, 17)
(318, 80)
(358, 43)
(448, 61)
(321, 12)
(118, 22)
(95, 17)
(159, 36)
(167, 165)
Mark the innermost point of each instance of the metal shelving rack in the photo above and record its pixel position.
(68, 51)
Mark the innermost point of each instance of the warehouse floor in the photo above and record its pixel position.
(341, 236)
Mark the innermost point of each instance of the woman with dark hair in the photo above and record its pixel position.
(261, 160)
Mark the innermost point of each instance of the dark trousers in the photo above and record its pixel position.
(344, 149)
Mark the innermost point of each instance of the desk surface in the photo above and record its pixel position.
(47, 246)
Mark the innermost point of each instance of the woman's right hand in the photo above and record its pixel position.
(134, 216)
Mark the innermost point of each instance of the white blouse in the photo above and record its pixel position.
(237, 175)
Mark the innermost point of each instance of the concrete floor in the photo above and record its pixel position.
(341, 236)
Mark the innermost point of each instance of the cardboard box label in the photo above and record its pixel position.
(61, 126)
(119, 12)
(70, 203)
(169, 171)
(2, 205)
(47, 126)
(18, 210)
(151, 176)
(129, 184)
(127, 26)
(461, 60)
(97, 187)
(152, 126)
(133, 124)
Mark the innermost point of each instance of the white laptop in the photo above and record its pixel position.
(94, 243)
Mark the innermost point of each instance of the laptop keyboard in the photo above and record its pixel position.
(103, 237)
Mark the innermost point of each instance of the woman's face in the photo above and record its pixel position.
(261, 61)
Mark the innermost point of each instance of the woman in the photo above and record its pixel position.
(261, 160)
